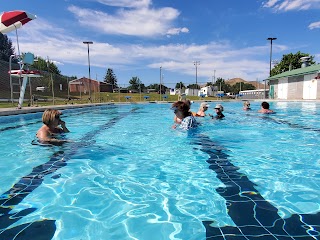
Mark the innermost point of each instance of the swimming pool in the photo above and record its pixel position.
(128, 175)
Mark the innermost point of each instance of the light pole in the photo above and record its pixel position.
(196, 63)
(160, 82)
(88, 43)
(265, 82)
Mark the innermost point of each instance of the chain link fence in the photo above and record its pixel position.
(54, 89)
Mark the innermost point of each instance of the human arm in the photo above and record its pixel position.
(63, 126)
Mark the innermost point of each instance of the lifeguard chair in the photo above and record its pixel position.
(24, 74)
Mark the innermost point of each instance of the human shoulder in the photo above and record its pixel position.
(188, 122)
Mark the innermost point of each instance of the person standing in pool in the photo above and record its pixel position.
(265, 108)
(246, 106)
(182, 112)
(201, 112)
(219, 109)
(52, 125)
(178, 120)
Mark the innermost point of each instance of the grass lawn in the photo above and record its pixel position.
(108, 97)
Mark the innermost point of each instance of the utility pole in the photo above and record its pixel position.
(160, 82)
(265, 82)
(196, 63)
(88, 43)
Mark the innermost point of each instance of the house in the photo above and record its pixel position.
(192, 92)
(206, 91)
(301, 83)
(84, 84)
(254, 94)
(176, 91)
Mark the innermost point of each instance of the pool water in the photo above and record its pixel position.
(129, 175)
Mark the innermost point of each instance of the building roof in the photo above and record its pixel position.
(297, 72)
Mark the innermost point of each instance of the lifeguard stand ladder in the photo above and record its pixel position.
(28, 59)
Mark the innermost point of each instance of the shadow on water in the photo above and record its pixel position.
(253, 216)
(43, 229)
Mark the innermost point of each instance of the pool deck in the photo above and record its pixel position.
(24, 110)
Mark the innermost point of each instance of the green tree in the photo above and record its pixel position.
(111, 78)
(45, 65)
(193, 86)
(136, 84)
(156, 87)
(241, 86)
(221, 84)
(180, 85)
(6, 48)
(290, 61)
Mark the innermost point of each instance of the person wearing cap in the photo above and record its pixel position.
(201, 112)
(52, 125)
(182, 112)
(219, 110)
(265, 108)
(246, 106)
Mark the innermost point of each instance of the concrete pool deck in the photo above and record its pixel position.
(24, 110)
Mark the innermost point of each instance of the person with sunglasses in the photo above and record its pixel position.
(202, 110)
(52, 125)
(246, 106)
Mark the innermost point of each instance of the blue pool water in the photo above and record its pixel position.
(128, 175)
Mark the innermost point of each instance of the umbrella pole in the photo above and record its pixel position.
(18, 46)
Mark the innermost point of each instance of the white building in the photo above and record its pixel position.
(206, 91)
(301, 83)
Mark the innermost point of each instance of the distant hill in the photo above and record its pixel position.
(233, 81)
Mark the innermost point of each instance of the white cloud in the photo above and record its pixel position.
(291, 5)
(270, 3)
(144, 22)
(176, 31)
(44, 39)
(314, 25)
(127, 3)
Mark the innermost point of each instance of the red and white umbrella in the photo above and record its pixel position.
(10, 21)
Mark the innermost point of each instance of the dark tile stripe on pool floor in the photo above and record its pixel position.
(253, 215)
(43, 229)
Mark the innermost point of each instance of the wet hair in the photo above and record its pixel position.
(50, 115)
(246, 104)
(188, 102)
(265, 105)
(182, 106)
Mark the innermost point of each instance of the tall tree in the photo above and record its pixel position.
(193, 86)
(136, 84)
(221, 85)
(156, 87)
(111, 78)
(45, 65)
(290, 61)
(6, 48)
(180, 85)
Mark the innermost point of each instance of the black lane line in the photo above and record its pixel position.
(43, 229)
(280, 121)
(253, 216)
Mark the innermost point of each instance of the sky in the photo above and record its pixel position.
(137, 38)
